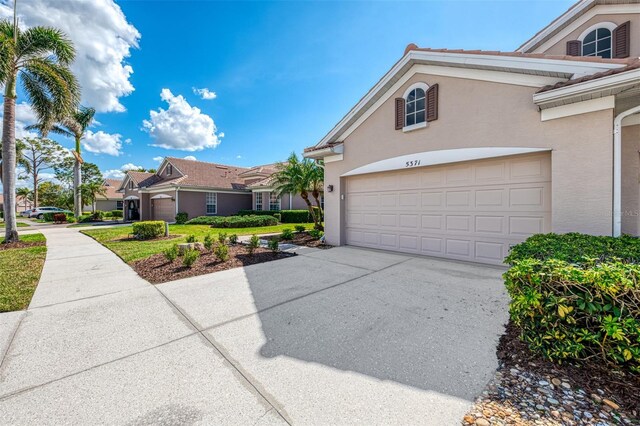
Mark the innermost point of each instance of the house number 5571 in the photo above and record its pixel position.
(412, 163)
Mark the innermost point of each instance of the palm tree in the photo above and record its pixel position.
(316, 186)
(38, 58)
(75, 125)
(296, 177)
(25, 194)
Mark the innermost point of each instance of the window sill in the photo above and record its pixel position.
(413, 127)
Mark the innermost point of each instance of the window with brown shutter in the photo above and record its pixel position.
(621, 40)
(574, 48)
(432, 103)
(399, 113)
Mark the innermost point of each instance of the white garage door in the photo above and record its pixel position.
(469, 211)
(164, 209)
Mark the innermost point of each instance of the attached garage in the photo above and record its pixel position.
(163, 208)
(471, 211)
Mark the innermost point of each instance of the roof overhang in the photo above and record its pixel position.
(161, 197)
(488, 67)
(592, 89)
(319, 154)
(131, 197)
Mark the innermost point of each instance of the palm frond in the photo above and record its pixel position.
(44, 41)
(7, 50)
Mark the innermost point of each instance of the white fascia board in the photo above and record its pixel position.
(613, 9)
(323, 153)
(578, 108)
(333, 158)
(588, 87)
(445, 156)
(516, 70)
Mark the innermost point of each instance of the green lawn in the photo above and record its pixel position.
(20, 271)
(130, 250)
(18, 224)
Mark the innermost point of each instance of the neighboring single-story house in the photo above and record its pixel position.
(199, 188)
(22, 203)
(461, 154)
(112, 199)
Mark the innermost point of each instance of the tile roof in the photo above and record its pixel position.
(593, 59)
(203, 174)
(265, 169)
(111, 186)
(139, 176)
(635, 64)
(317, 148)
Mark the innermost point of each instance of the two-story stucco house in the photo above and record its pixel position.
(461, 154)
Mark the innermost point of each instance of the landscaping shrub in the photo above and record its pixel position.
(576, 248)
(191, 238)
(257, 212)
(97, 215)
(181, 218)
(189, 257)
(300, 228)
(149, 229)
(70, 218)
(222, 252)
(48, 217)
(116, 214)
(316, 233)
(234, 221)
(222, 238)
(278, 217)
(59, 217)
(85, 218)
(295, 216)
(273, 245)
(254, 243)
(208, 242)
(171, 253)
(233, 239)
(287, 234)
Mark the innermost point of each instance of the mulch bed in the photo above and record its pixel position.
(301, 239)
(21, 245)
(156, 269)
(621, 387)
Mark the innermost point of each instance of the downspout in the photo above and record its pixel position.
(177, 208)
(617, 168)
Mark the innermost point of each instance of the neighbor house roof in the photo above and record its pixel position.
(265, 169)
(201, 174)
(111, 189)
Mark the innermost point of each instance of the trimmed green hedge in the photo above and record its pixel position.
(234, 221)
(181, 218)
(577, 296)
(286, 216)
(257, 212)
(149, 229)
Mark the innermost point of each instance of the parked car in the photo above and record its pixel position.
(26, 213)
(40, 211)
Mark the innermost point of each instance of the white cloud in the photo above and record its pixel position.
(220, 135)
(158, 159)
(190, 157)
(103, 143)
(102, 37)
(238, 156)
(119, 173)
(205, 93)
(181, 126)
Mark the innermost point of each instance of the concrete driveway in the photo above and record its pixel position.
(328, 337)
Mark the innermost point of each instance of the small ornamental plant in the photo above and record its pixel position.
(300, 228)
(254, 243)
(171, 253)
(222, 252)
(191, 238)
(316, 234)
(189, 257)
(222, 238)
(208, 242)
(233, 239)
(274, 246)
(287, 234)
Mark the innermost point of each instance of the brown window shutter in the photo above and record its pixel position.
(400, 102)
(620, 41)
(432, 103)
(574, 48)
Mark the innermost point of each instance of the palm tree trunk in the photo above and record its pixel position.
(316, 196)
(77, 194)
(9, 161)
(305, 197)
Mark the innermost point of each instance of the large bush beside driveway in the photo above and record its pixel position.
(577, 297)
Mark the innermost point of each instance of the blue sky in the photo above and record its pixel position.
(283, 72)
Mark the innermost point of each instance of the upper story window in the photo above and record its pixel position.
(130, 184)
(597, 43)
(169, 170)
(417, 106)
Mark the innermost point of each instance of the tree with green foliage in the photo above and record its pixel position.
(64, 170)
(299, 177)
(53, 194)
(39, 58)
(38, 155)
(26, 195)
(90, 191)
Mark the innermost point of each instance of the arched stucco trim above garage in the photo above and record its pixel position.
(161, 197)
(445, 156)
(131, 197)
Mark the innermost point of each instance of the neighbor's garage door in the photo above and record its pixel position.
(469, 211)
(164, 209)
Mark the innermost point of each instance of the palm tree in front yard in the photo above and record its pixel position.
(39, 59)
(297, 177)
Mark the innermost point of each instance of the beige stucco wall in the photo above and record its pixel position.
(194, 203)
(630, 180)
(484, 114)
(560, 47)
(106, 205)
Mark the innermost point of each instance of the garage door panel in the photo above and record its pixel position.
(164, 209)
(471, 211)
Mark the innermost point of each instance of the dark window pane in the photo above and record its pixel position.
(412, 96)
(603, 32)
(590, 37)
(411, 107)
(589, 49)
(604, 44)
(420, 117)
(411, 119)
(419, 93)
(420, 104)
(605, 54)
